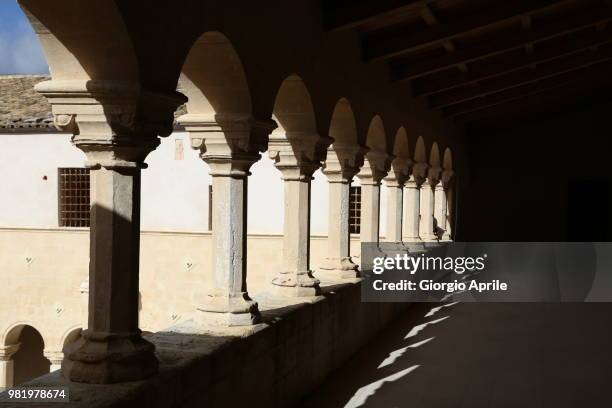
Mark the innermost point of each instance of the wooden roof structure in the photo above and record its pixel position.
(482, 60)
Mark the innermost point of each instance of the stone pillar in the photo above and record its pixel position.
(297, 157)
(376, 167)
(7, 365)
(116, 124)
(394, 209)
(395, 187)
(439, 211)
(412, 203)
(55, 358)
(447, 185)
(230, 144)
(341, 165)
(426, 227)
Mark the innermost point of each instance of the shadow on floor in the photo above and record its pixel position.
(481, 355)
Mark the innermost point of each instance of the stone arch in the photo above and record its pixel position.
(401, 146)
(402, 162)
(447, 161)
(434, 156)
(343, 128)
(376, 138)
(293, 107)
(213, 77)
(420, 153)
(71, 335)
(73, 42)
(12, 333)
(29, 360)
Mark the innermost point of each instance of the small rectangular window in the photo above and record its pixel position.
(355, 210)
(74, 205)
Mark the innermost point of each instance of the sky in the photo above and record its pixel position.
(20, 52)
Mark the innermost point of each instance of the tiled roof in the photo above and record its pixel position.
(22, 108)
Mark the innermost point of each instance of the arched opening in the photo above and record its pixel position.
(434, 156)
(346, 150)
(72, 336)
(420, 154)
(29, 361)
(394, 186)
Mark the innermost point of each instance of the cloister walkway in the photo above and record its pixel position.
(481, 355)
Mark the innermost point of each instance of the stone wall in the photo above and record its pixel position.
(272, 364)
(42, 271)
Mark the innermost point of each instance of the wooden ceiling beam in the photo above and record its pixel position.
(528, 89)
(504, 64)
(403, 69)
(346, 15)
(518, 78)
(401, 40)
(536, 104)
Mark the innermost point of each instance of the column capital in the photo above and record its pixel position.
(7, 352)
(433, 175)
(419, 173)
(297, 155)
(446, 178)
(116, 123)
(343, 162)
(400, 172)
(229, 142)
(54, 356)
(376, 167)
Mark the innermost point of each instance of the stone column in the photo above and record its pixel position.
(439, 211)
(297, 157)
(426, 227)
(55, 358)
(412, 203)
(7, 365)
(395, 187)
(341, 165)
(394, 209)
(116, 124)
(446, 182)
(230, 144)
(376, 167)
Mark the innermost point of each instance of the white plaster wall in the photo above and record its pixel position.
(26, 199)
(174, 192)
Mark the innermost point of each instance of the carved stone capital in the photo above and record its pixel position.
(419, 173)
(229, 143)
(400, 172)
(115, 123)
(298, 155)
(54, 356)
(376, 167)
(433, 175)
(7, 352)
(447, 178)
(343, 162)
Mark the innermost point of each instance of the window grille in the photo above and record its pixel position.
(355, 210)
(73, 197)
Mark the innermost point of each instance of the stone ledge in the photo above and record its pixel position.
(272, 364)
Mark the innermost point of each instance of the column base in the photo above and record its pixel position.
(103, 358)
(296, 284)
(339, 268)
(226, 310)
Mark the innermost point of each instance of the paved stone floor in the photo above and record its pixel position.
(481, 355)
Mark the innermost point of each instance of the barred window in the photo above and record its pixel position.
(355, 210)
(73, 197)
